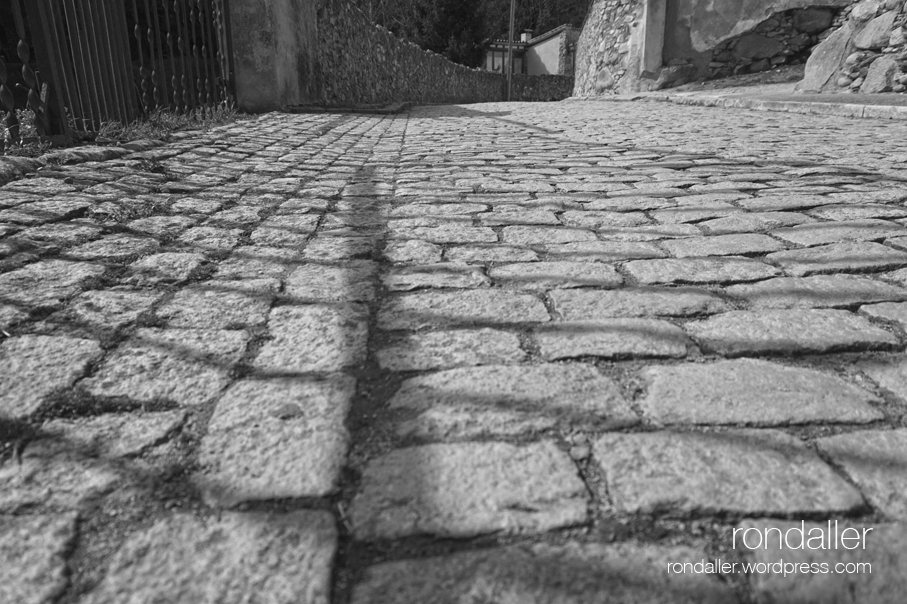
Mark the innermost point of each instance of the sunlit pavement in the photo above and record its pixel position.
(571, 352)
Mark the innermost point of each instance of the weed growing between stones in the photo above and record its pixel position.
(160, 124)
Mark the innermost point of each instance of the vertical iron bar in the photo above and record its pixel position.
(193, 16)
(137, 31)
(221, 55)
(121, 39)
(510, 52)
(159, 44)
(149, 36)
(8, 102)
(173, 79)
(183, 44)
(76, 44)
(28, 74)
(48, 62)
(60, 61)
(89, 52)
(206, 24)
(227, 43)
(117, 93)
(101, 64)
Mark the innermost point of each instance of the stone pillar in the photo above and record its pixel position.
(274, 53)
(646, 46)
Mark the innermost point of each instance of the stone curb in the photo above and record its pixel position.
(854, 110)
(14, 168)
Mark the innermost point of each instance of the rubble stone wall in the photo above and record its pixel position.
(867, 54)
(603, 49)
(327, 52)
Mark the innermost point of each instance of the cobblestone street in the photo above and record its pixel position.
(494, 353)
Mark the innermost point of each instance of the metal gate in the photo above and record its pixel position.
(115, 60)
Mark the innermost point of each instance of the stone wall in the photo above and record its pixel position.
(867, 54)
(632, 45)
(326, 52)
(603, 49)
(785, 38)
(541, 87)
(360, 62)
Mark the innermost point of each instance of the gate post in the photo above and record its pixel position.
(274, 46)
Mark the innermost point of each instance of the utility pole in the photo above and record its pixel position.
(510, 52)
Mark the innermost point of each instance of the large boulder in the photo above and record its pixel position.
(813, 20)
(865, 10)
(876, 33)
(881, 75)
(826, 59)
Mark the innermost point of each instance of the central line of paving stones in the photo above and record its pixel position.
(447, 357)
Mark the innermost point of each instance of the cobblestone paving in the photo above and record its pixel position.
(492, 353)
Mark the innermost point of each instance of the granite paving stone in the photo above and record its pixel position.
(275, 439)
(233, 557)
(542, 235)
(251, 262)
(443, 349)
(729, 269)
(889, 311)
(477, 306)
(61, 233)
(216, 305)
(655, 232)
(890, 372)
(162, 226)
(435, 276)
(590, 305)
(35, 366)
(739, 471)
(352, 282)
(794, 331)
(884, 553)
(334, 249)
(592, 219)
(574, 573)
(859, 212)
(118, 247)
(847, 257)
(784, 203)
(314, 338)
(33, 557)
(820, 291)
(510, 400)
(753, 392)
(210, 239)
(445, 233)
(55, 477)
(722, 245)
(548, 275)
(110, 308)
(695, 213)
(874, 460)
(612, 339)
(115, 435)
(754, 221)
(167, 267)
(476, 254)
(603, 251)
(413, 251)
(822, 233)
(285, 231)
(468, 489)
(46, 283)
(187, 366)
